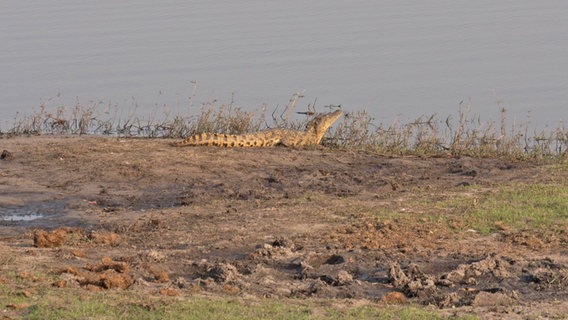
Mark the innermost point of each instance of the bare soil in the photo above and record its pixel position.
(140, 215)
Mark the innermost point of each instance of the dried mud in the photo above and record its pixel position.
(137, 214)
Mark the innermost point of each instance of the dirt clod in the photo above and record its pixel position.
(6, 155)
(18, 306)
(160, 276)
(223, 272)
(393, 298)
(108, 238)
(49, 239)
(488, 299)
(107, 263)
(111, 280)
(169, 292)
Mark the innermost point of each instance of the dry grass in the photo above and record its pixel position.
(466, 136)
(427, 135)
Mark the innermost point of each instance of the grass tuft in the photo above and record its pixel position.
(67, 304)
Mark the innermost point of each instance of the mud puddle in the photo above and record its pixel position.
(32, 213)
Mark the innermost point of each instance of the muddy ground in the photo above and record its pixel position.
(139, 215)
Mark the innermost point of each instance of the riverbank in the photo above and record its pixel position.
(308, 232)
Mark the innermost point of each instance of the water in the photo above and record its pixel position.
(395, 58)
(16, 216)
(31, 211)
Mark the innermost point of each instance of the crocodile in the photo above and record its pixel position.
(312, 135)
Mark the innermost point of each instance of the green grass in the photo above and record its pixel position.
(516, 206)
(69, 304)
(539, 205)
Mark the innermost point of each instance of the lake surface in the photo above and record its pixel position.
(394, 58)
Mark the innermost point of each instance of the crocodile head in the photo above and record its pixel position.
(319, 125)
